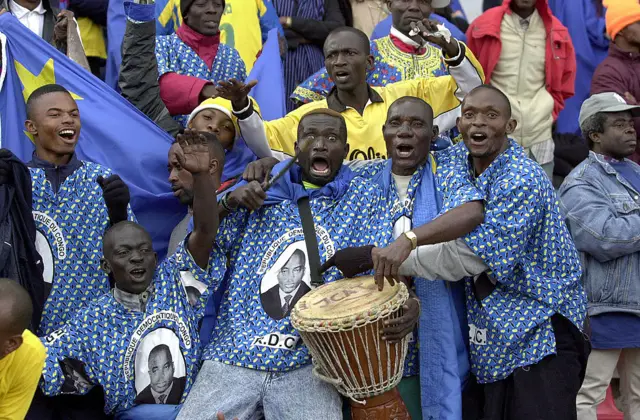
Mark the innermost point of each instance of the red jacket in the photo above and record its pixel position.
(483, 37)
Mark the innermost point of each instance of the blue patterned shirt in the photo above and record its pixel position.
(526, 244)
(266, 248)
(109, 345)
(69, 225)
(174, 56)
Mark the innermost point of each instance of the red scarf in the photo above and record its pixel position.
(406, 48)
(206, 46)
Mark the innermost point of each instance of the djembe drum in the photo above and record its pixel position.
(341, 323)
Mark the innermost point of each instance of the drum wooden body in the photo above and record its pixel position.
(341, 323)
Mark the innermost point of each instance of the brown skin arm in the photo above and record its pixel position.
(447, 227)
(194, 156)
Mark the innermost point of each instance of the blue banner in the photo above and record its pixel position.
(269, 92)
(114, 133)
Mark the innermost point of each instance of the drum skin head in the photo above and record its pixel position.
(346, 303)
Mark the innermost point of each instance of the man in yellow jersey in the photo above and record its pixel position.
(364, 108)
(245, 25)
(21, 353)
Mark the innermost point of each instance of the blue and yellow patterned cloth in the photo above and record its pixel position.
(70, 224)
(390, 65)
(112, 344)
(526, 244)
(347, 213)
(175, 56)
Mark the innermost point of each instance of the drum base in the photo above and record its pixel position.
(387, 406)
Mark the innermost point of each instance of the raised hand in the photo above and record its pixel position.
(60, 28)
(350, 261)
(387, 261)
(116, 196)
(427, 28)
(236, 91)
(193, 153)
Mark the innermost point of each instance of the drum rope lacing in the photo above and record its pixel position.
(329, 350)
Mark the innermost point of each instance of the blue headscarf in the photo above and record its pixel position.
(442, 325)
(290, 187)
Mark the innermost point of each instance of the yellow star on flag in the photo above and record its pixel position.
(31, 82)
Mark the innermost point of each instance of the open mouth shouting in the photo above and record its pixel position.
(320, 166)
(342, 76)
(138, 273)
(478, 138)
(68, 135)
(404, 151)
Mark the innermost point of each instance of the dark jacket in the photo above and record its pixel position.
(49, 18)
(138, 80)
(271, 300)
(19, 259)
(620, 73)
(174, 397)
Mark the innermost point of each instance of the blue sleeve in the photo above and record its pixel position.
(241, 73)
(72, 342)
(382, 29)
(269, 20)
(163, 51)
(512, 217)
(207, 281)
(230, 229)
(315, 88)
(454, 181)
(140, 12)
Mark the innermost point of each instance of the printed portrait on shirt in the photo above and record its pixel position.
(75, 378)
(160, 374)
(286, 281)
(192, 287)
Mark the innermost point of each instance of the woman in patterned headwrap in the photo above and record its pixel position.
(306, 25)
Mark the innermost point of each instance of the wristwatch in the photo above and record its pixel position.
(413, 238)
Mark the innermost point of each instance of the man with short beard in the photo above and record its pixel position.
(364, 108)
(396, 57)
(255, 362)
(105, 342)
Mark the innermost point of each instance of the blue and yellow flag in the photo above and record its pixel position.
(114, 133)
(168, 16)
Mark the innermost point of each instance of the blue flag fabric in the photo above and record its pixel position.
(114, 133)
(116, 26)
(269, 92)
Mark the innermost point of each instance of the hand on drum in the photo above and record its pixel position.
(396, 329)
(387, 260)
(350, 261)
